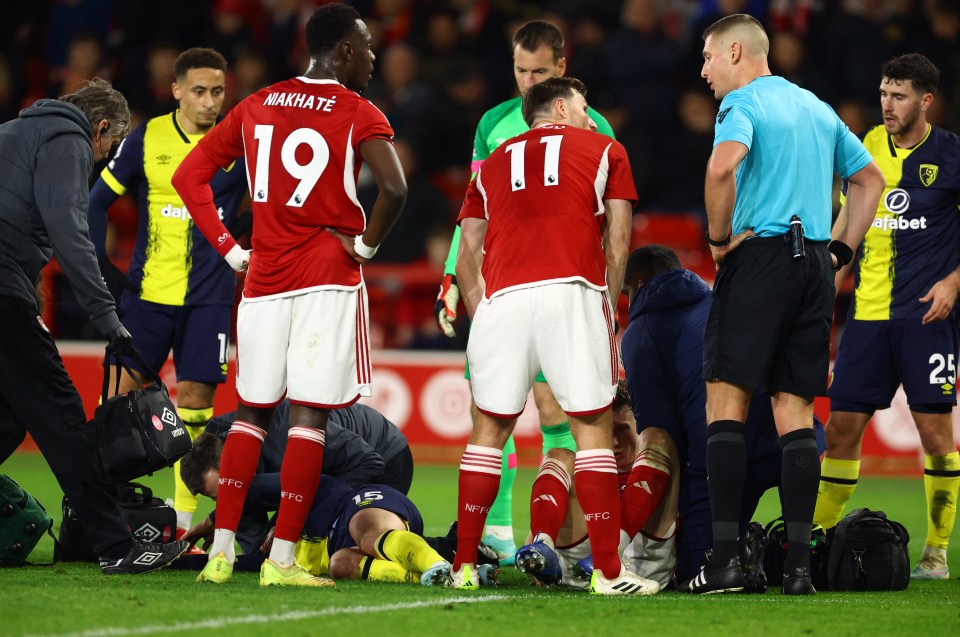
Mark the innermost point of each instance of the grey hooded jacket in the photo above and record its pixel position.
(46, 159)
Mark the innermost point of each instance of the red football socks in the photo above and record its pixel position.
(595, 475)
(479, 483)
(644, 490)
(238, 464)
(299, 477)
(549, 499)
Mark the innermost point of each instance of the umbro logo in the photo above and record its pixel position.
(147, 558)
(147, 533)
(722, 115)
(169, 417)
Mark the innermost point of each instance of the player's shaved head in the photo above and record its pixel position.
(741, 28)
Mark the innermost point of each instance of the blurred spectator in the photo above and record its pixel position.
(676, 182)
(854, 115)
(856, 44)
(586, 57)
(152, 95)
(401, 95)
(642, 63)
(448, 138)
(8, 100)
(237, 24)
(247, 76)
(426, 207)
(84, 62)
(443, 47)
(941, 43)
(68, 18)
(395, 17)
(287, 46)
(788, 59)
(440, 65)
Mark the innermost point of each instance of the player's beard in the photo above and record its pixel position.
(905, 122)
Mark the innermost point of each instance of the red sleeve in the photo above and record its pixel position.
(619, 176)
(371, 124)
(472, 202)
(218, 149)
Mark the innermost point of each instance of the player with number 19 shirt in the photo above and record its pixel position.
(302, 324)
(302, 182)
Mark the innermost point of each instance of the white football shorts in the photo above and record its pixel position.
(563, 329)
(312, 347)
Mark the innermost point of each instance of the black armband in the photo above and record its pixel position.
(717, 244)
(842, 251)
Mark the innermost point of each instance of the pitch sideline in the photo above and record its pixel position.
(223, 622)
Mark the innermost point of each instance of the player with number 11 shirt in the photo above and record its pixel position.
(545, 230)
(302, 323)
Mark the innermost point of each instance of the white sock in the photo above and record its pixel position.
(223, 543)
(624, 542)
(546, 539)
(184, 520)
(282, 552)
(499, 532)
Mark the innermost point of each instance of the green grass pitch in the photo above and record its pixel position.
(75, 600)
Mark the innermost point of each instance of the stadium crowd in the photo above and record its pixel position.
(441, 65)
(762, 362)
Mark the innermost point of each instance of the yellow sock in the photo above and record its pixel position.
(838, 479)
(407, 549)
(194, 420)
(941, 482)
(312, 556)
(377, 570)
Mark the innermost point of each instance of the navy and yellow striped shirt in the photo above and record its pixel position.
(915, 238)
(173, 264)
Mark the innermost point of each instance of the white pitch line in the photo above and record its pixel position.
(296, 615)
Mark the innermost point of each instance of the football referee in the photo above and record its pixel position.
(768, 183)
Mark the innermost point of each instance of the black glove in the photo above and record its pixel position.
(120, 343)
(115, 279)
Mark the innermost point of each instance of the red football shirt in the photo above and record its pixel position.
(301, 140)
(542, 194)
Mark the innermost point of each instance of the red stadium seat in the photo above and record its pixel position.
(683, 232)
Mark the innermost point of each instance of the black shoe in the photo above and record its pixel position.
(722, 578)
(798, 582)
(752, 549)
(144, 557)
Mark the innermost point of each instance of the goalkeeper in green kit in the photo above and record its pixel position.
(537, 56)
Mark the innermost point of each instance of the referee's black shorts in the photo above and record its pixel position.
(769, 322)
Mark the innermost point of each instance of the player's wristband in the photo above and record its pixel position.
(717, 244)
(362, 248)
(842, 251)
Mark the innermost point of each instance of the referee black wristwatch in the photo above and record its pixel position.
(717, 244)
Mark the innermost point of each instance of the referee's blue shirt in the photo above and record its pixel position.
(795, 144)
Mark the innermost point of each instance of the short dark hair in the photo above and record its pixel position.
(649, 261)
(99, 100)
(202, 457)
(914, 67)
(726, 23)
(621, 400)
(198, 58)
(536, 33)
(540, 96)
(329, 25)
